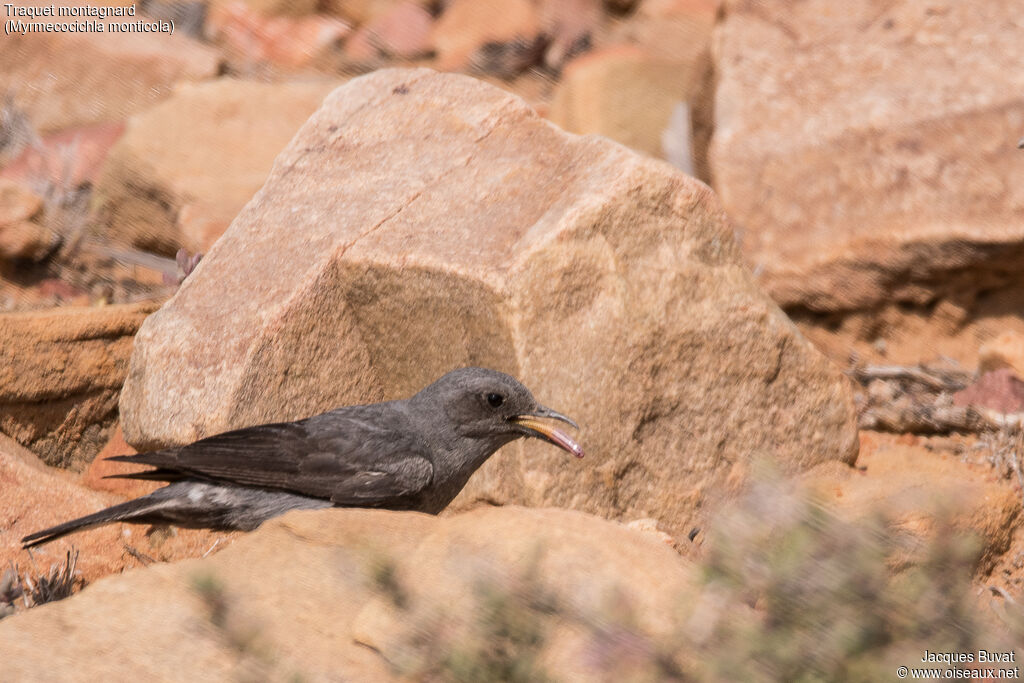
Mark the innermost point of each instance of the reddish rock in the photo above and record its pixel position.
(33, 497)
(998, 390)
(869, 155)
(17, 203)
(61, 291)
(582, 268)
(60, 375)
(69, 158)
(403, 31)
(570, 27)
(253, 37)
(100, 467)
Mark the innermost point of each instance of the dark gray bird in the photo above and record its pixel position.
(413, 454)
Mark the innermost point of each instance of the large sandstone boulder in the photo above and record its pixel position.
(870, 153)
(63, 80)
(184, 168)
(420, 222)
(60, 375)
(288, 601)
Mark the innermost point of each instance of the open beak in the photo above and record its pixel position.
(534, 425)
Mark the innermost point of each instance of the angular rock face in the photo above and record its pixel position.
(421, 222)
(878, 160)
(184, 168)
(60, 374)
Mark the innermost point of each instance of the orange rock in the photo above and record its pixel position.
(922, 492)
(60, 375)
(93, 477)
(21, 238)
(33, 496)
(847, 196)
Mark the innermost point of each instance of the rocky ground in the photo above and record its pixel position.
(768, 255)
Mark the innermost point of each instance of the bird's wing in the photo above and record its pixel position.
(346, 456)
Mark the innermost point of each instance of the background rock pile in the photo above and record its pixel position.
(767, 254)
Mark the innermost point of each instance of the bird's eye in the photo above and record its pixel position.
(495, 400)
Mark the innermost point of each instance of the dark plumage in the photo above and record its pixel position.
(413, 454)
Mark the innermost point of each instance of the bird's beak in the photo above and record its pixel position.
(534, 425)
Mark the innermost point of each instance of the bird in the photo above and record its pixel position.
(410, 454)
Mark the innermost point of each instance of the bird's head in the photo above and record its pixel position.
(494, 407)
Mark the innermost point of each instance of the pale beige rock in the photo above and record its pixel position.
(288, 594)
(673, 30)
(184, 168)
(584, 567)
(423, 221)
(60, 374)
(63, 80)
(870, 154)
(17, 202)
(466, 26)
(26, 240)
(623, 93)
(923, 494)
(69, 158)
(1004, 351)
(21, 238)
(291, 599)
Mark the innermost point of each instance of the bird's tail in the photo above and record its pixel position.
(133, 510)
